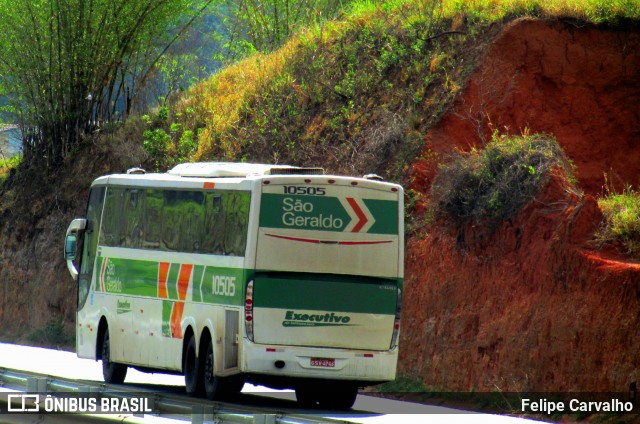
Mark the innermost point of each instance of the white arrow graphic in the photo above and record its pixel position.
(361, 218)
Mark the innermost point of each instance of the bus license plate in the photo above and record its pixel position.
(323, 362)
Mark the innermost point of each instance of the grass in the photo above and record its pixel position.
(490, 185)
(593, 11)
(355, 94)
(621, 221)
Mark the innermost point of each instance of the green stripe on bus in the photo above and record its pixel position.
(224, 286)
(172, 281)
(133, 277)
(138, 278)
(197, 281)
(319, 293)
(166, 317)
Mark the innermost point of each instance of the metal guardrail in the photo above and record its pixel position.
(166, 405)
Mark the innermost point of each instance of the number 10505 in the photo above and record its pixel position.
(305, 190)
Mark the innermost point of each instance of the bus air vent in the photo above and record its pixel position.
(232, 325)
(296, 171)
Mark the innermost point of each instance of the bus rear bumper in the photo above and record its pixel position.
(337, 364)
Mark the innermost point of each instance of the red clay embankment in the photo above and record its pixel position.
(533, 306)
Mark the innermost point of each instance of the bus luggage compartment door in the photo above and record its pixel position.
(337, 311)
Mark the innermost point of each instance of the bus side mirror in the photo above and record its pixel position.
(71, 244)
(70, 247)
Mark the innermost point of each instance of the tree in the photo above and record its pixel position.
(69, 65)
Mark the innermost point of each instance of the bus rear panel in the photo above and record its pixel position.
(327, 288)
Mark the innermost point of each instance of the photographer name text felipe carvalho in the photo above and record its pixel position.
(549, 407)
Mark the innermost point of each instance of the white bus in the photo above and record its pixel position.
(229, 273)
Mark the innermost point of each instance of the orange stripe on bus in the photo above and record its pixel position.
(183, 281)
(163, 272)
(209, 185)
(176, 317)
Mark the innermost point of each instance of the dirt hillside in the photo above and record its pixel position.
(533, 306)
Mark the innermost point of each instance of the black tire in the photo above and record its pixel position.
(113, 373)
(217, 387)
(338, 396)
(230, 386)
(211, 382)
(329, 395)
(192, 370)
(307, 397)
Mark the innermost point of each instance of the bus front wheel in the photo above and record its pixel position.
(113, 373)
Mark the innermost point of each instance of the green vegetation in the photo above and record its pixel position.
(621, 223)
(357, 93)
(167, 144)
(7, 164)
(491, 185)
(594, 11)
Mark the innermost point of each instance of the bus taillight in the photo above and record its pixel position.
(248, 311)
(396, 322)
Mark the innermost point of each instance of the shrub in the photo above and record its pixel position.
(7, 164)
(491, 185)
(621, 220)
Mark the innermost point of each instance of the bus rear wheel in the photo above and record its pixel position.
(211, 382)
(216, 387)
(113, 373)
(339, 396)
(192, 370)
(333, 395)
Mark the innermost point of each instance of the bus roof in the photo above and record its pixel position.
(234, 176)
(229, 169)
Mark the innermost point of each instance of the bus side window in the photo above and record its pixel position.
(113, 216)
(154, 201)
(132, 234)
(192, 211)
(170, 239)
(237, 219)
(213, 225)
